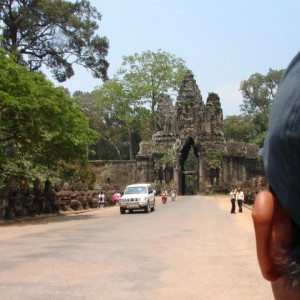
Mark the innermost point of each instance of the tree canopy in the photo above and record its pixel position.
(56, 34)
(258, 94)
(118, 117)
(150, 74)
(40, 126)
(123, 108)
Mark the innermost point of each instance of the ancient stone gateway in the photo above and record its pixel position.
(188, 152)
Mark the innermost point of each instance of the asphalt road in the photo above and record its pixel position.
(192, 248)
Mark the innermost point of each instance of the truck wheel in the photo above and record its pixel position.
(147, 208)
(122, 210)
(153, 207)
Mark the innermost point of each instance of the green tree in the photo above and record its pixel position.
(40, 126)
(56, 34)
(150, 74)
(239, 128)
(258, 93)
(119, 119)
(245, 128)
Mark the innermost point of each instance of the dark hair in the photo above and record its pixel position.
(289, 264)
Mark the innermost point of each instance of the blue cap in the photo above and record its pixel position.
(281, 151)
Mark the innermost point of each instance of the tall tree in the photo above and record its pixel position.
(56, 34)
(258, 93)
(150, 74)
(240, 128)
(119, 118)
(40, 126)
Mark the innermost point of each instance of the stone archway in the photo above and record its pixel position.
(189, 169)
(186, 129)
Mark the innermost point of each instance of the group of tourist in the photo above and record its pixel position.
(115, 199)
(236, 195)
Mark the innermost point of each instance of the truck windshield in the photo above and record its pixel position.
(136, 190)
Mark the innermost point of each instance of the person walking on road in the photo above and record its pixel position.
(115, 198)
(101, 199)
(173, 195)
(232, 196)
(240, 199)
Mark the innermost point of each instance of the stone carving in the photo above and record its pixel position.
(26, 199)
(189, 107)
(38, 196)
(165, 116)
(12, 197)
(49, 197)
(21, 200)
(191, 125)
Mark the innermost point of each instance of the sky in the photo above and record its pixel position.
(222, 42)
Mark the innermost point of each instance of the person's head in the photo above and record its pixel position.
(276, 213)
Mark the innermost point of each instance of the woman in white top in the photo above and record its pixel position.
(232, 199)
(240, 199)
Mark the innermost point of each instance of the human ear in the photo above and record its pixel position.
(273, 229)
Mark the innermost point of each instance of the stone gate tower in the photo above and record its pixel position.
(188, 152)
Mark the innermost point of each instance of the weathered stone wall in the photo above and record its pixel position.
(145, 171)
(240, 162)
(236, 170)
(113, 174)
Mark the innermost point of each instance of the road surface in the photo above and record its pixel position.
(192, 248)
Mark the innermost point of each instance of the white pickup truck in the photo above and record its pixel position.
(136, 197)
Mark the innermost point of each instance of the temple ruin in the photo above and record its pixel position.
(189, 152)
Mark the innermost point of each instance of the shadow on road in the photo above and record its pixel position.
(43, 219)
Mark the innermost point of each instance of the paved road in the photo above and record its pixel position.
(192, 248)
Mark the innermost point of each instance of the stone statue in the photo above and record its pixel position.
(165, 116)
(12, 198)
(38, 196)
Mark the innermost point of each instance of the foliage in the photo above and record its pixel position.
(77, 173)
(166, 159)
(258, 93)
(214, 158)
(187, 103)
(239, 128)
(150, 74)
(39, 125)
(245, 128)
(259, 90)
(118, 109)
(119, 119)
(56, 34)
